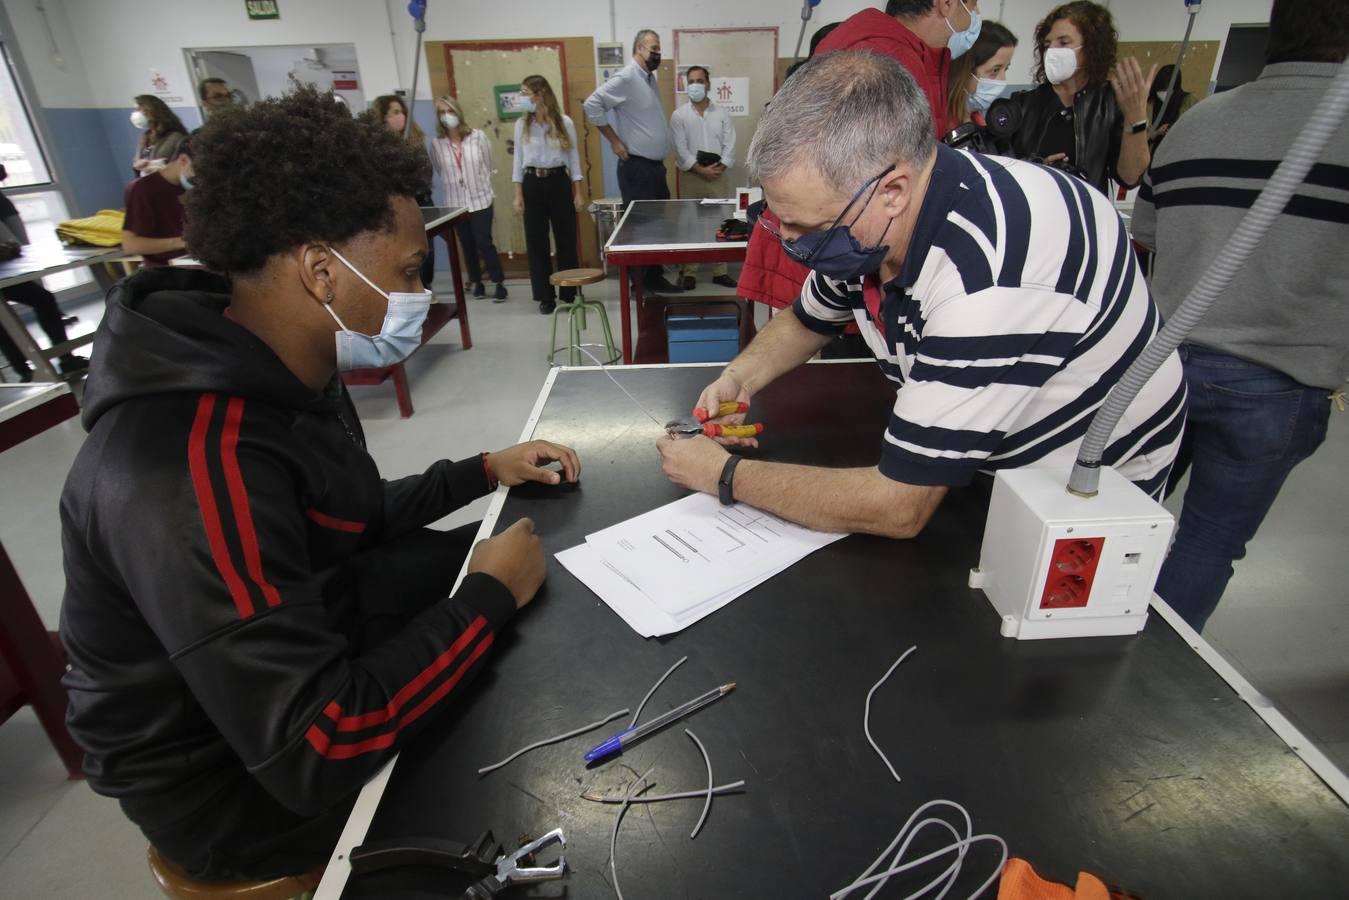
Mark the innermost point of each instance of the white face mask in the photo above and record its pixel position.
(985, 92)
(139, 119)
(450, 120)
(1060, 64)
(399, 334)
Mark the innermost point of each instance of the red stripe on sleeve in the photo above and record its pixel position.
(210, 513)
(413, 687)
(326, 521)
(243, 516)
(323, 744)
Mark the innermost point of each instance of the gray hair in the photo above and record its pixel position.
(848, 114)
(637, 41)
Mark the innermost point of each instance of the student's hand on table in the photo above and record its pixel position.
(514, 558)
(521, 463)
(693, 463)
(1131, 89)
(724, 390)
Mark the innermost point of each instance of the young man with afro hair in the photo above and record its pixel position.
(255, 620)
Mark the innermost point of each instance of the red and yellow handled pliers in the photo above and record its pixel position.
(698, 424)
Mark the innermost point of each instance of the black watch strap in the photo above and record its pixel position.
(725, 484)
(1138, 127)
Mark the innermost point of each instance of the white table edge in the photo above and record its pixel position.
(10, 410)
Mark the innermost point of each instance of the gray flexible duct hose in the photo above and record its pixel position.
(1316, 134)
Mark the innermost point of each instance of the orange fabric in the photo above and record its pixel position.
(1020, 882)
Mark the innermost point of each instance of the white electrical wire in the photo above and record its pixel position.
(906, 835)
(654, 687)
(707, 804)
(866, 715)
(618, 820)
(661, 798)
(553, 740)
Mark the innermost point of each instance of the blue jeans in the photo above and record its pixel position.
(1248, 427)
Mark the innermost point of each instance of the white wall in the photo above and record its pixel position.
(60, 83)
(118, 42)
(1138, 20)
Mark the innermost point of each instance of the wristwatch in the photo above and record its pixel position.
(1138, 127)
(725, 483)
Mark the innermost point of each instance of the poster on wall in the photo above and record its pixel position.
(345, 81)
(160, 87)
(508, 102)
(731, 94)
(262, 9)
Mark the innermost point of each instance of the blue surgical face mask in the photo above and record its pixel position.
(527, 104)
(961, 41)
(185, 181)
(697, 92)
(985, 93)
(834, 252)
(399, 335)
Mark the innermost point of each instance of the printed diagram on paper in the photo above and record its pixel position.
(676, 564)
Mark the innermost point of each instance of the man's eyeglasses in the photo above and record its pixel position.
(805, 256)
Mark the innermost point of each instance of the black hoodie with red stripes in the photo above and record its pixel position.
(213, 488)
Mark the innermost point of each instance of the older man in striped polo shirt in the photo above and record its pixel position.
(1001, 298)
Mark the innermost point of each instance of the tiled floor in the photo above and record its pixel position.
(1284, 622)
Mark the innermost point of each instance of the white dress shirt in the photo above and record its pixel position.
(630, 104)
(543, 150)
(711, 131)
(465, 170)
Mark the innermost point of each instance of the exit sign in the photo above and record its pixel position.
(262, 9)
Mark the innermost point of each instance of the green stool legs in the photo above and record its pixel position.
(576, 326)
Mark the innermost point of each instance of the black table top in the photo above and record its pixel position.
(1127, 757)
(669, 224)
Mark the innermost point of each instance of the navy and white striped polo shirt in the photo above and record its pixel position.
(1019, 306)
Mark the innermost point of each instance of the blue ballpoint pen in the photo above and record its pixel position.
(616, 743)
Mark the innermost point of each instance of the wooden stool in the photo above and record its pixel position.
(576, 315)
(178, 885)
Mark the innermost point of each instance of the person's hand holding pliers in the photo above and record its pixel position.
(718, 419)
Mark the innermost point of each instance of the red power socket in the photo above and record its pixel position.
(1072, 569)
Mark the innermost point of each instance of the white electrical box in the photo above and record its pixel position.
(1054, 564)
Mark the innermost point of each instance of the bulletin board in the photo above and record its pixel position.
(1199, 68)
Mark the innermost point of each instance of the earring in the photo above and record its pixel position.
(331, 298)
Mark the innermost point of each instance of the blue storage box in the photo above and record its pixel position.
(703, 337)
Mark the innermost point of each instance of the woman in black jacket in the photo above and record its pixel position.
(1088, 113)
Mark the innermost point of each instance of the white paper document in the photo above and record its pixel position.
(666, 569)
(718, 201)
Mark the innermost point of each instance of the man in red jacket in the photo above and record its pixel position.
(914, 33)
